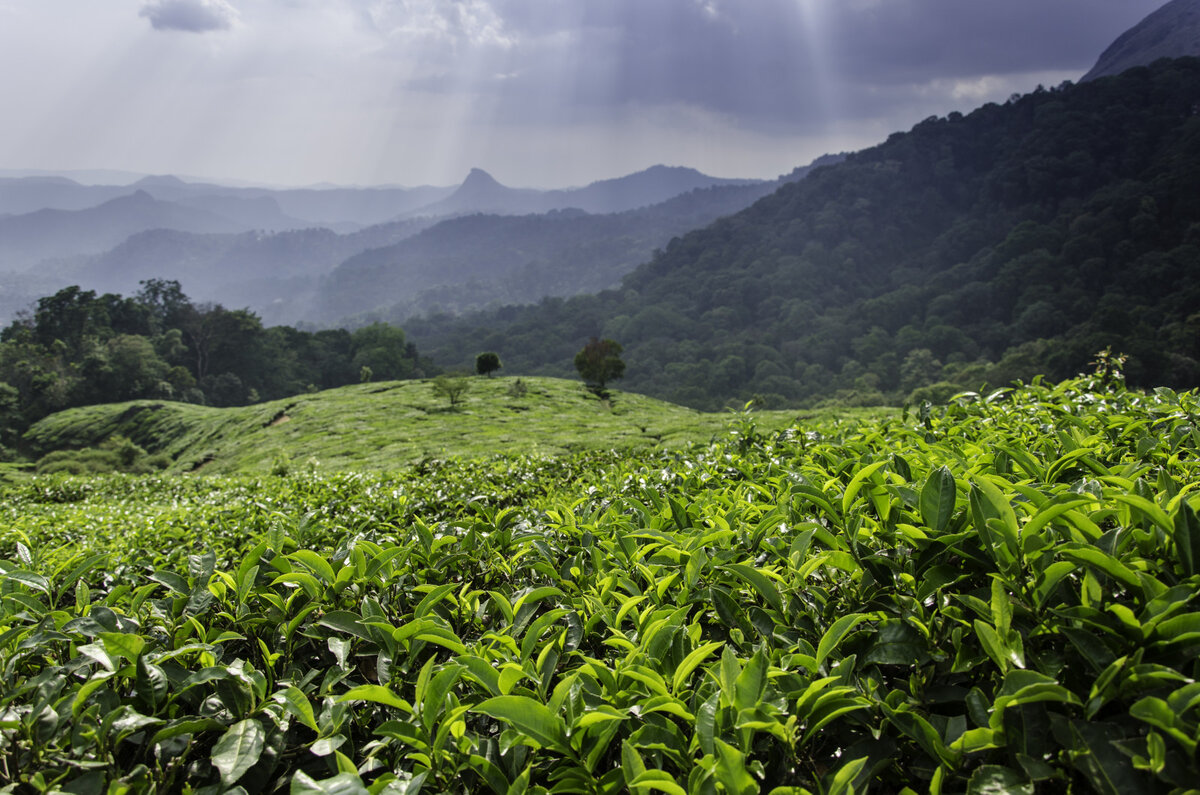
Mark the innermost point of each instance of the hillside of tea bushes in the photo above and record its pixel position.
(999, 596)
(384, 425)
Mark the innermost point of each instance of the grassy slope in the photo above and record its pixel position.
(386, 426)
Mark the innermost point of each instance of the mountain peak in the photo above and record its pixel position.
(1173, 31)
(479, 178)
(662, 169)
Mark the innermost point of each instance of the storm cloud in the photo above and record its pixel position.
(191, 16)
(763, 62)
(538, 92)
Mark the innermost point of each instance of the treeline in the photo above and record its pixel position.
(1016, 240)
(78, 348)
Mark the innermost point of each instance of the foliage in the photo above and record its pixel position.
(382, 425)
(115, 454)
(452, 387)
(78, 348)
(487, 363)
(1014, 240)
(600, 362)
(518, 388)
(1000, 595)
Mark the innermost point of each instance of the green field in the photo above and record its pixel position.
(999, 596)
(389, 426)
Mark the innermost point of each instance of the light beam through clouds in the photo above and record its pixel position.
(538, 92)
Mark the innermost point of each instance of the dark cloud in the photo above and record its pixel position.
(192, 16)
(772, 62)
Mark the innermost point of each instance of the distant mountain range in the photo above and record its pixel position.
(1173, 31)
(26, 240)
(480, 193)
(273, 250)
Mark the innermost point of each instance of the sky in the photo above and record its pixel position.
(540, 93)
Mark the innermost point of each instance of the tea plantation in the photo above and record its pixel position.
(1001, 596)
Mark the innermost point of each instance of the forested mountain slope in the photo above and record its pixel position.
(1016, 240)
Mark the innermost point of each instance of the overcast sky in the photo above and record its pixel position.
(545, 93)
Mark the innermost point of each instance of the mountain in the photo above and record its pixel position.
(26, 240)
(289, 276)
(341, 209)
(479, 260)
(652, 186)
(1172, 31)
(1015, 240)
(22, 195)
(275, 258)
(275, 273)
(481, 193)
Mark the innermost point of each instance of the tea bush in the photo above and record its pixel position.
(1000, 595)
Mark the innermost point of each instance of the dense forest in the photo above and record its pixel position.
(1018, 239)
(78, 348)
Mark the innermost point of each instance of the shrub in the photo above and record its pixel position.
(936, 393)
(452, 387)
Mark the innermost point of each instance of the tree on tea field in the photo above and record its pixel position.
(452, 387)
(487, 363)
(600, 362)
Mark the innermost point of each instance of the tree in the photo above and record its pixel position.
(165, 302)
(600, 362)
(10, 415)
(487, 363)
(453, 388)
(384, 349)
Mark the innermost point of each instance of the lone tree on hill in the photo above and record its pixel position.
(487, 363)
(599, 362)
(452, 387)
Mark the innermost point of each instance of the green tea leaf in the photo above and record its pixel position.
(759, 582)
(856, 483)
(690, 663)
(1102, 562)
(28, 578)
(378, 694)
(835, 634)
(294, 700)
(238, 750)
(530, 717)
(315, 563)
(731, 771)
(997, 780)
(121, 644)
(656, 780)
(341, 784)
(937, 500)
(1187, 539)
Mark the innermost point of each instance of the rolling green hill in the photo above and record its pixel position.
(385, 425)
